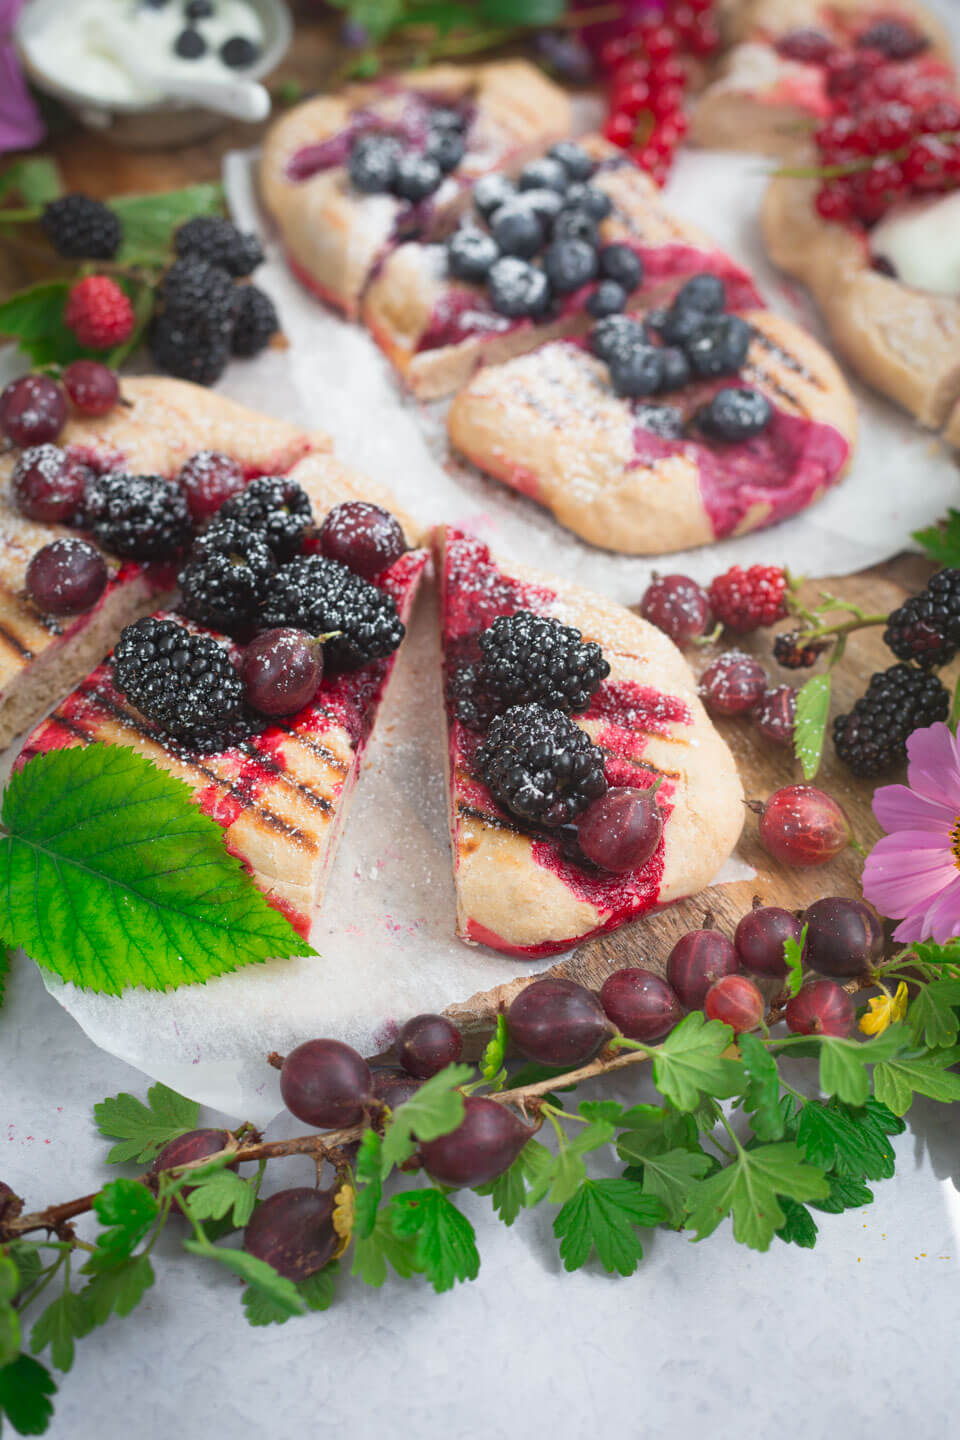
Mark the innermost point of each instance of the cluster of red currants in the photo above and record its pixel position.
(648, 80)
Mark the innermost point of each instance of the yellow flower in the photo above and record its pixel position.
(885, 1010)
(344, 1212)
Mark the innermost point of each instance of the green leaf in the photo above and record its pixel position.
(220, 1194)
(668, 1175)
(799, 1227)
(36, 180)
(144, 1129)
(846, 1193)
(836, 1137)
(26, 1256)
(149, 220)
(446, 1246)
(942, 542)
(374, 1251)
(116, 1291)
(843, 1063)
(895, 1082)
(6, 955)
(534, 1166)
(436, 1109)
(810, 724)
(378, 17)
(369, 1165)
(317, 1292)
(688, 1064)
(9, 1320)
(601, 1216)
(10, 1283)
(34, 318)
(492, 1064)
(257, 1273)
(128, 1209)
(793, 955)
(522, 12)
(761, 1098)
(748, 1189)
(932, 1018)
(63, 1321)
(112, 878)
(25, 1390)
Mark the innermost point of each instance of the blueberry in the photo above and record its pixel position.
(492, 191)
(576, 224)
(665, 421)
(444, 117)
(574, 160)
(597, 203)
(569, 264)
(470, 253)
(190, 45)
(614, 335)
(417, 177)
(680, 325)
(736, 414)
(446, 147)
(517, 229)
(703, 292)
(608, 298)
(676, 368)
(544, 174)
(637, 371)
(545, 204)
(198, 9)
(238, 52)
(620, 263)
(517, 288)
(373, 163)
(720, 346)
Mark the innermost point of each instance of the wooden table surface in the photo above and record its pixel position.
(91, 165)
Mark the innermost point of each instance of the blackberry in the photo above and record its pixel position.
(218, 241)
(190, 337)
(80, 228)
(319, 595)
(873, 737)
(278, 508)
(140, 517)
(185, 683)
(540, 765)
(926, 628)
(526, 657)
(188, 351)
(255, 320)
(226, 576)
(197, 290)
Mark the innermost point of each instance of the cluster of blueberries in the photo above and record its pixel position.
(191, 44)
(383, 164)
(693, 339)
(552, 212)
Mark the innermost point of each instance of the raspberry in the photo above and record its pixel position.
(540, 765)
(212, 238)
(226, 576)
(80, 228)
(255, 320)
(788, 652)
(318, 595)
(873, 737)
(99, 313)
(743, 600)
(926, 628)
(141, 517)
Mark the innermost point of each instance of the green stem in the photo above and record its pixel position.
(21, 217)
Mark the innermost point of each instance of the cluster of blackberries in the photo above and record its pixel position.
(203, 316)
(872, 739)
(411, 167)
(523, 658)
(540, 765)
(550, 215)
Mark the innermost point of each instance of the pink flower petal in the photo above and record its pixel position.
(898, 808)
(943, 918)
(910, 929)
(906, 870)
(934, 770)
(897, 895)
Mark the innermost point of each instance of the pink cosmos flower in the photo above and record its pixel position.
(914, 871)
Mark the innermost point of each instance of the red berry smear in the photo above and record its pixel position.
(621, 831)
(698, 960)
(801, 825)
(49, 484)
(733, 684)
(208, 479)
(93, 388)
(744, 600)
(641, 1004)
(822, 1007)
(33, 410)
(366, 538)
(99, 313)
(678, 606)
(736, 1001)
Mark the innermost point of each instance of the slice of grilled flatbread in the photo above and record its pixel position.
(549, 425)
(517, 893)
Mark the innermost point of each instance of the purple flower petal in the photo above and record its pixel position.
(910, 929)
(942, 920)
(907, 869)
(899, 808)
(934, 770)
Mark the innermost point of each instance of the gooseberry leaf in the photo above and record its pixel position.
(810, 723)
(143, 1130)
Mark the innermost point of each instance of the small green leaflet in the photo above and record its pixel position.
(372, 1252)
(668, 1175)
(446, 1245)
(149, 220)
(219, 1194)
(522, 12)
(688, 1064)
(260, 1276)
(436, 1109)
(845, 1194)
(36, 180)
(810, 724)
(799, 1227)
(843, 1063)
(128, 1209)
(369, 1190)
(112, 878)
(534, 1166)
(896, 1081)
(116, 1290)
(26, 1256)
(65, 1320)
(318, 1292)
(492, 1066)
(942, 542)
(9, 1319)
(793, 956)
(143, 1130)
(748, 1189)
(601, 1216)
(761, 1098)
(850, 1141)
(25, 1390)
(932, 1018)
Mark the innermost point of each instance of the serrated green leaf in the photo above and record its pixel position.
(895, 1082)
(799, 1227)
(932, 1018)
(667, 1175)
(748, 1190)
(846, 1193)
(144, 1129)
(26, 1256)
(25, 1390)
(942, 542)
(761, 1098)
(127, 1210)
(116, 1291)
(369, 1191)
(436, 1109)
(317, 1292)
(602, 1216)
(9, 1333)
(843, 1063)
(36, 180)
(220, 1194)
(688, 1065)
(492, 1063)
(522, 12)
(568, 1173)
(63, 1322)
(112, 878)
(793, 956)
(149, 220)
(446, 1245)
(810, 723)
(835, 1137)
(34, 318)
(257, 1273)
(533, 1166)
(373, 1252)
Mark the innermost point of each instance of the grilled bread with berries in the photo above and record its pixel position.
(644, 476)
(159, 425)
(437, 329)
(279, 788)
(339, 205)
(775, 82)
(521, 886)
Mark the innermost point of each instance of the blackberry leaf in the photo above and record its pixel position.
(810, 724)
(110, 877)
